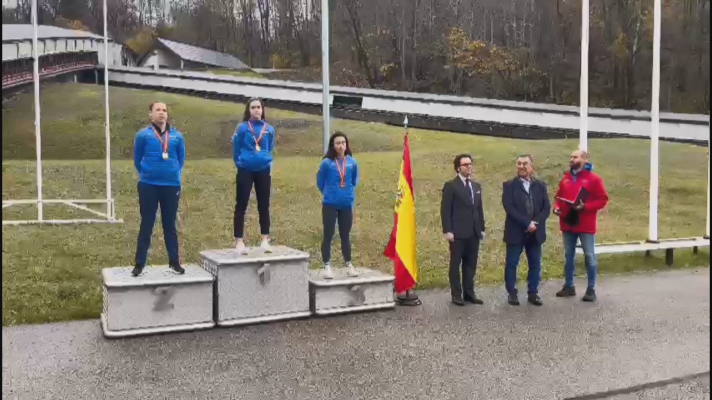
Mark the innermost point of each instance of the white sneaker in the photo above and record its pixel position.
(240, 246)
(326, 272)
(351, 270)
(265, 245)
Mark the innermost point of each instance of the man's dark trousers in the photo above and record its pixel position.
(533, 251)
(523, 207)
(465, 251)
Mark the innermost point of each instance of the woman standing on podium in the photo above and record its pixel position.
(159, 156)
(337, 179)
(252, 147)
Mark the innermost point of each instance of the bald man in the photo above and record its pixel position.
(580, 196)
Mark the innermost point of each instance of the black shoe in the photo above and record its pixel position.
(590, 295)
(534, 299)
(138, 268)
(474, 300)
(457, 301)
(566, 291)
(513, 299)
(176, 268)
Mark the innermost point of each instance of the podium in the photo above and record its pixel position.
(229, 288)
(371, 290)
(257, 286)
(158, 301)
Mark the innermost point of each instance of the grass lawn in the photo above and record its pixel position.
(53, 273)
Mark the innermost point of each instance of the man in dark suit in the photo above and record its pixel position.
(463, 227)
(526, 202)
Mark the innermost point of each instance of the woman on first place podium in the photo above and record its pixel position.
(337, 179)
(252, 147)
(159, 156)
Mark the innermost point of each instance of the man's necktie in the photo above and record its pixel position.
(469, 188)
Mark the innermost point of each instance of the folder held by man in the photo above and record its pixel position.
(580, 197)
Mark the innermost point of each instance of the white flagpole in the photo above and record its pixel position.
(655, 125)
(325, 71)
(583, 113)
(38, 135)
(707, 227)
(107, 127)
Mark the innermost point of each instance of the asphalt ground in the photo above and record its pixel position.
(647, 337)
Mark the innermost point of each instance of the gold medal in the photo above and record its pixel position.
(342, 172)
(254, 137)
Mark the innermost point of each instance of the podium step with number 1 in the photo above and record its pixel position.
(257, 286)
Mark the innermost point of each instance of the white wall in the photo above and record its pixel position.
(164, 60)
(9, 51)
(24, 50)
(149, 61)
(114, 53)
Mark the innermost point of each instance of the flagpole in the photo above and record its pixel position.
(110, 211)
(655, 127)
(326, 128)
(38, 128)
(583, 102)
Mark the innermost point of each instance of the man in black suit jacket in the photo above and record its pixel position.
(463, 227)
(526, 202)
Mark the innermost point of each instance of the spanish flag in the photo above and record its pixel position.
(401, 248)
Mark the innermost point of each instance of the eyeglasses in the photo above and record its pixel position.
(466, 165)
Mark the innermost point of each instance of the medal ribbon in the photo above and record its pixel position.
(163, 144)
(262, 133)
(342, 171)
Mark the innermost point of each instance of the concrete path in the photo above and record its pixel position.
(644, 329)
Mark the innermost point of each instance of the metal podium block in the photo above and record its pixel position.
(157, 301)
(372, 290)
(258, 286)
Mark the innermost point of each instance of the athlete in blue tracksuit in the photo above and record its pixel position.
(252, 146)
(337, 179)
(159, 156)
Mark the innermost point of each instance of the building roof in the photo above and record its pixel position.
(22, 32)
(203, 56)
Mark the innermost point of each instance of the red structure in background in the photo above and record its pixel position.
(19, 72)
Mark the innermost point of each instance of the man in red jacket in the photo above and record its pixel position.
(580, 196)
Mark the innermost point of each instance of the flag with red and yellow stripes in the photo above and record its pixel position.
(402, 247)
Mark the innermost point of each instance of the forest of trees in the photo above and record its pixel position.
(506, 49)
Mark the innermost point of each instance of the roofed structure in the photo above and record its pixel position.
(175, 55)
(23, 32)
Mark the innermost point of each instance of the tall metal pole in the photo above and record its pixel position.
(38, 135)
(583, 113)
(707, 228)
(655, 125)
(325, 71)
(107, 126)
